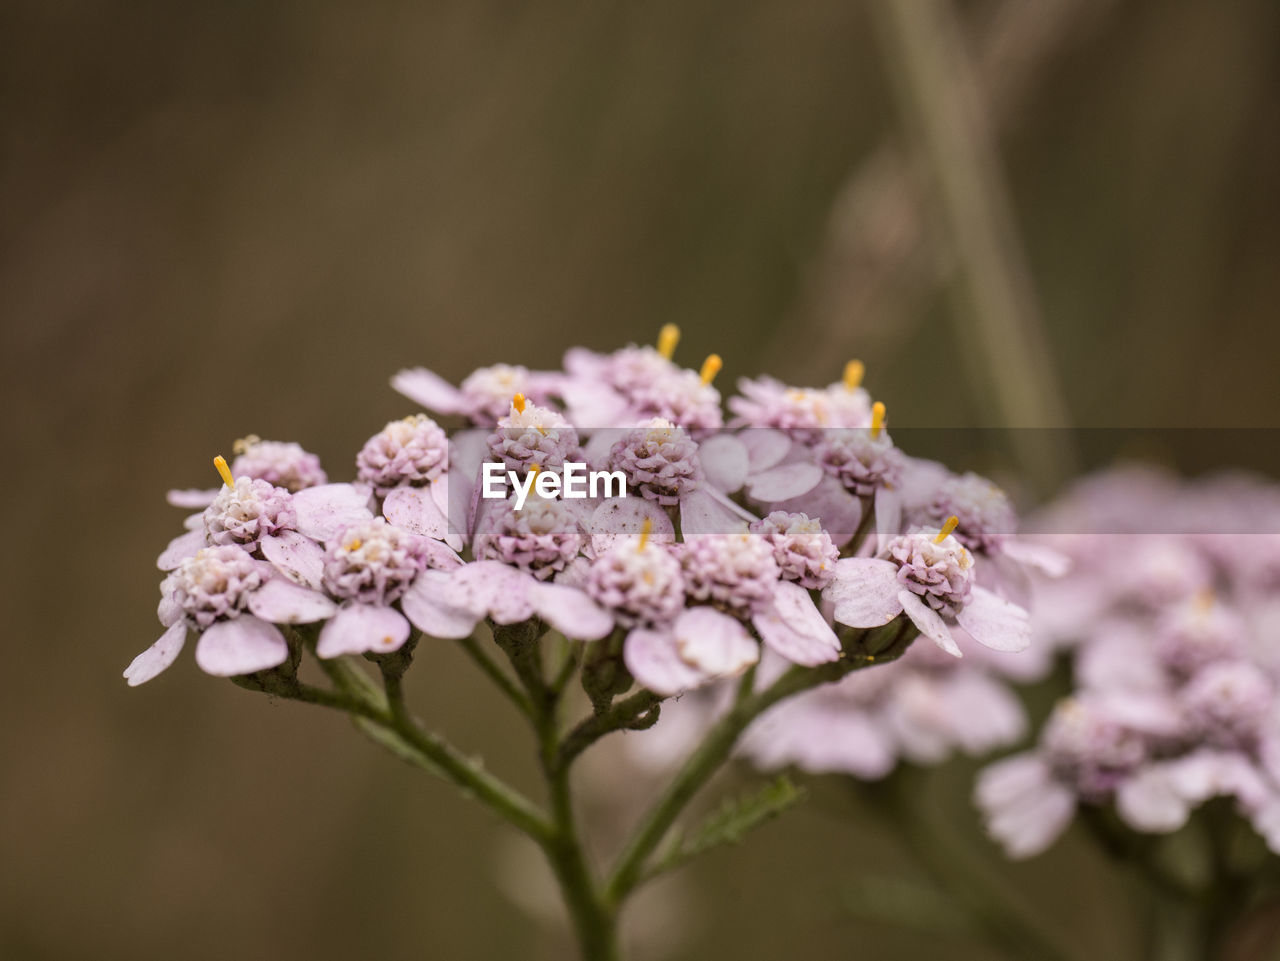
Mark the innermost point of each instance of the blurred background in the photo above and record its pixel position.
(233, 218)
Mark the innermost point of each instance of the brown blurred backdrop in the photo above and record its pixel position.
(218, 219)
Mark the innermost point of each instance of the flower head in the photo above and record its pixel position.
(936, 567)
(215, 584)
(247, 511)
(541, 539)
(734, 572)
(412, 451)
(279, 463)
(660, 460)
(529, 436)
(642, 584)
(802, 549)
(373, 562)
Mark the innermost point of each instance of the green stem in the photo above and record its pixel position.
(636, 712)
(710, 755)
(496, 674)
(354, 696)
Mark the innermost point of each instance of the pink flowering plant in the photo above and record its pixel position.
(766, 559)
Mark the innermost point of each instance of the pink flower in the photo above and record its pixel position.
(929, 576)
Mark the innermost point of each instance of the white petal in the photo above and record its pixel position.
(702, 513)
(784, 482)
(864, 592)
(724, 462)
(428, 389)
(157, 657)
(888, 507)
(714, 642)
(415, 509)
(994, 622)
(930, 623)
(325, 510)
(1044, 559)
(296, 556)
(429, 604)
(795, 628)
(240, 646)
(493, 588)
(180, 548)
(654, 661)
(1148, 802)
(191, 499)
(358, 628)
(828, 502)
(623, 520)
(766, 447)
(571, 612)
(284, 602)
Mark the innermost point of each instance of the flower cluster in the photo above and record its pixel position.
(795, 530)
(1170, 618)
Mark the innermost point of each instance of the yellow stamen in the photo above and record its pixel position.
(224, 471)
(668, 337)
(354, 544)
(877, 419)
(1204, 600)
(710, 367)
(518, 403)
(645, 530)
(952, 523)
(534, 469)
(853, 372)
(245, 443)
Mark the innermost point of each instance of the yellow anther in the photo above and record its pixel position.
(518, 403)
(224, 471)
(645, 530)
(877, 419)
(354, 544)
(534, 469)
(951, 524)
(245, 443)
(853, 372)
(668, 337)
(710, 367)
(1204, 600)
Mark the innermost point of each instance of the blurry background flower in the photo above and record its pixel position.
(226, 219)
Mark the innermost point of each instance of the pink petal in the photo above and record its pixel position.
(714, 642)
(358, 628)
(837, 509)
(415, 509)
(765, 446)
(864, 592)
(157, 657)
(296, 556)
(654, 661)
(428, 389)
(724, 462)
(703, 513)
(1148, 802)
(571, 612)
(240, 646)
(180, 548)
(284, 602)
(784, 482)
(1044, 559)
(795, 628)
(888, 507)
(324, 511)
(429, 604)
(616, 521)
(493, 588)
(994, 622)
(191, 499)
(930, 623)
(1025, 808)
